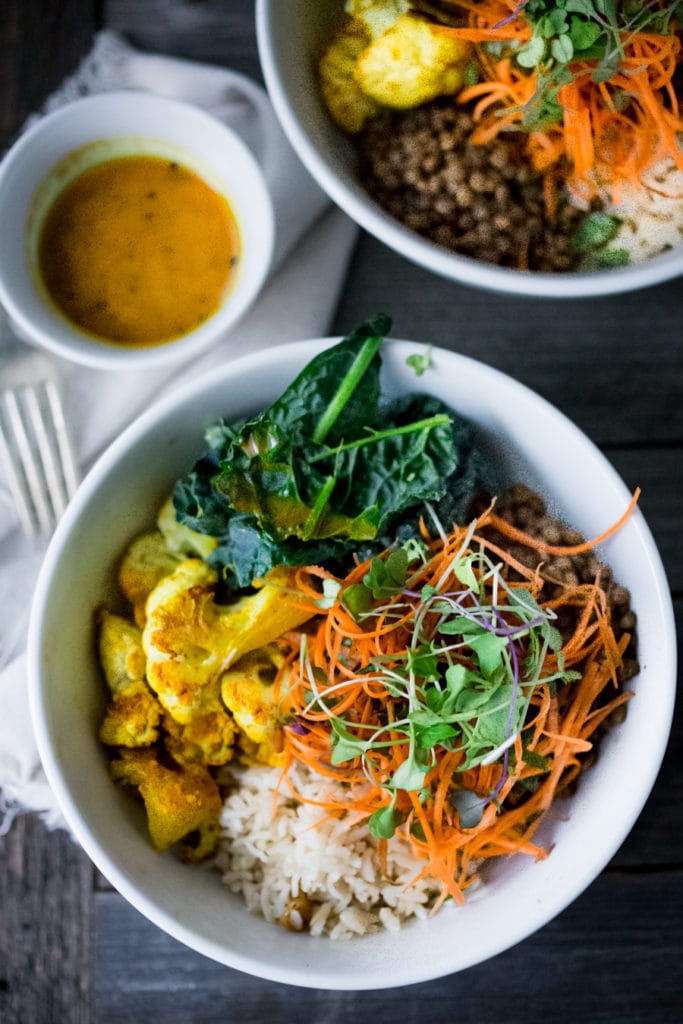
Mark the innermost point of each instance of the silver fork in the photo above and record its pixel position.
(35, 449)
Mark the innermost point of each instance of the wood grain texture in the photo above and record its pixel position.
(40, 42)
(614, 365)
(45, 927)
(577, 968)
(208, 30)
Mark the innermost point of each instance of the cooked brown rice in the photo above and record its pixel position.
(297, 866)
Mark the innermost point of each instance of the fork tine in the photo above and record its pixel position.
(46, 450)
(69, 468)
(17, 487)
(29, 465)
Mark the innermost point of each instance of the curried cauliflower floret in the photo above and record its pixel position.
(377, 15)
(146, 561)
(133, 715)
(207, 738)
(189, 639)
(346, 101)
(120, 648)
(181, 540)
(411, 63)
(178, 801)
(248, 692)
(132, 718)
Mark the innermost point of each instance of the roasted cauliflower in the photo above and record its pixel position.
(146, 561)
(133, 714)
(154, 555)
(174, 690)
(189, 640)
(181, 540)
(178, 801)
(248, 692)
(346, 101)
(411, 63)
(208, 737)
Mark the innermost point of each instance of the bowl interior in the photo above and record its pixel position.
(120, 498)
(292, 34)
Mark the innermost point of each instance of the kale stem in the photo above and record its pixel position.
(321, 502)
(380, 435)
(346, 388)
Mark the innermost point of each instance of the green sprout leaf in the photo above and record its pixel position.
(410, 775)
(532, 53)
(383, 822)
(420, 362)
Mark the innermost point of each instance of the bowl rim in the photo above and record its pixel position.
(107, 355)
(494, 944)
(453, 266)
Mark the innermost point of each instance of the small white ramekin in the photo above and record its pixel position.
(148, 125)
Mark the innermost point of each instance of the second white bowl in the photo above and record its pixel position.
(291, 36)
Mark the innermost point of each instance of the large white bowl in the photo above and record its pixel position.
(291, 36)
(119, 499)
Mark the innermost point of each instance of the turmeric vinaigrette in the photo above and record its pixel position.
(138, 250)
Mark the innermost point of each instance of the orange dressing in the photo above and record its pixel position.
(138, 250)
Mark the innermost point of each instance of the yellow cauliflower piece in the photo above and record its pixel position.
(377, 15)
(178, 801)
(132, 718)
(411, 63)
(181, 540)
(207, 738)
(120, 649)
(133, 714)
(189, 639)
(146, 561)
(345, 100)
(248, 692)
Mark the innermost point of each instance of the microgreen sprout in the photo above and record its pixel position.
(566, 31)
(420, 362)
(476, 650)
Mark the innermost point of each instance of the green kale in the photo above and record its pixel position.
(328, 469)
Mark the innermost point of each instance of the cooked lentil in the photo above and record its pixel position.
(527, 510)
(481, 201)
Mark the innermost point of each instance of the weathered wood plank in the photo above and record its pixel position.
(40, 43)
(206, 30)
(614, 365)
(45, 880)
(45, 927)
(659, 473)
(612, 957)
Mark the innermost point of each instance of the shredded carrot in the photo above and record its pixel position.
(559, 730)
(576, 549)
(610, 133)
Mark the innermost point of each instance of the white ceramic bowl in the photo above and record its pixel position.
(139, 123)
(291, 36)
(120, 498)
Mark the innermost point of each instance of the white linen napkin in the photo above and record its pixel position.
(297, 302)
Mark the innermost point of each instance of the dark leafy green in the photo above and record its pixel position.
(328, 469)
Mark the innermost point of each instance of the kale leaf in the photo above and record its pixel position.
(327, 470)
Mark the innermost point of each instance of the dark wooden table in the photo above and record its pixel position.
(72, 950)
